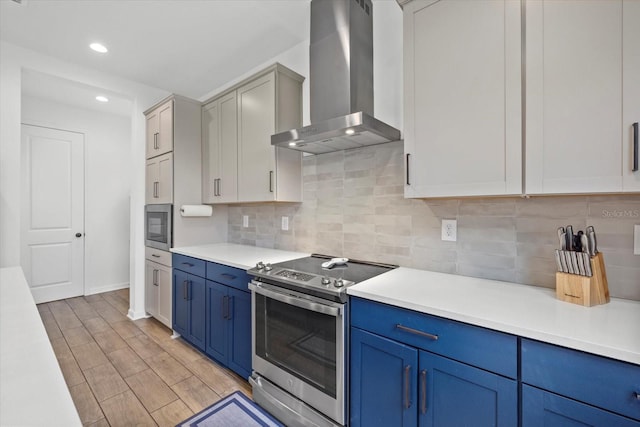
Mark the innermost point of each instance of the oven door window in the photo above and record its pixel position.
(299, 341)
(157, 226)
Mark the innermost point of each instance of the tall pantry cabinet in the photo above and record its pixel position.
(173, 146)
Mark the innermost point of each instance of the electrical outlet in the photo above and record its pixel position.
(245, 221)
(636, 239)
(449, 230)
(285, 223)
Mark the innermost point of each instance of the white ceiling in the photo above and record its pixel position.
(188, 47)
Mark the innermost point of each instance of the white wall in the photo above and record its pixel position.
(107, 186)
(12, 60)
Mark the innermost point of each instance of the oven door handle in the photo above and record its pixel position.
(296, 301)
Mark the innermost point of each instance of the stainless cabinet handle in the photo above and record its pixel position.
(423, 383)
(637, 395)
(155, 277)
(218, 187)
(155, 141)
(188, 264)
(417, 332)
(270, 181)
(225, 307)
(184, 289)
(155, 255)
(635, 147)
(407, 380)
(228, 276)
(407, 167)
(156, 186)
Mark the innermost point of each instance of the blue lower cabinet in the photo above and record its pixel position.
(383, 381)
(544, 409)
(229, 327)
(189, 307)
(393, 384)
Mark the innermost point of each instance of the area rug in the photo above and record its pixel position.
(235, 410)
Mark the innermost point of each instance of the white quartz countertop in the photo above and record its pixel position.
(611, 330)
(239, 256)
(32, 389)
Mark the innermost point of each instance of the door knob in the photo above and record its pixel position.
(78, 234)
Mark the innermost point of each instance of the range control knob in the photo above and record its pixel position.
(267, 267)
(338, 283)
(325, 281)
(260, 265)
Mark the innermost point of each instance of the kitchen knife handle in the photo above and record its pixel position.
(423, 381)
(407, 381)
(407, 168)
(635, 147)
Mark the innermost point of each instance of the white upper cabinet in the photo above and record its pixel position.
(159, 180)
(582, 95)
(220, 150)
(462, 98)
(160, 130)
(239, 162)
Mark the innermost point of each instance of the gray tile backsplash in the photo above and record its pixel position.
(354, 206)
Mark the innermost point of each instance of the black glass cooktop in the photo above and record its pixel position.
(354, 270)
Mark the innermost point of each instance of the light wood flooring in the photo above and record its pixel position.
(130, 373)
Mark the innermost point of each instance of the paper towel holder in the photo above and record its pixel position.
(196, 210)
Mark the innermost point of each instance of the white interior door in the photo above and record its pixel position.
(52, 253)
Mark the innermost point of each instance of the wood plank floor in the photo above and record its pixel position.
(130, 373)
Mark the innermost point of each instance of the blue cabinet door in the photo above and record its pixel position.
(544, 409)
(180, 313)
(240, 332)
(197, 303)
(216, 322)
(383, 381)
(454, 394)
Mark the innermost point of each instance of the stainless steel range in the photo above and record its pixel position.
(300, 335)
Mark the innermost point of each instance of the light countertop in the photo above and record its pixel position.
(611, 330)
(239, 256)
(32, 389)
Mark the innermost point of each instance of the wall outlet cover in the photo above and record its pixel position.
(636, 239)
(245, 221)
(285, 223)
(449, 230)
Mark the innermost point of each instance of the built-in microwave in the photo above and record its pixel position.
(158, 222)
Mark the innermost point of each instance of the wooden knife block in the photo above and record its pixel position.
(582, 290)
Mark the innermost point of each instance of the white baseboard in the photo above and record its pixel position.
(108, 288)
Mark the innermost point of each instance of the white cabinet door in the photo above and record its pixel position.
(158, 291)
(631, 93)
(256, 155)
(582, 95)
(462, 91)
(220, 150)
(151, 288)
(159, 180)
(159, 130)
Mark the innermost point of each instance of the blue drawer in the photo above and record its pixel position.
(606, 383)
(230, 276)
(490, 350)
(189, 265)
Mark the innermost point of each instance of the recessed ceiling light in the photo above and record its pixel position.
(349, 131)
(99, 47)
(102, 98)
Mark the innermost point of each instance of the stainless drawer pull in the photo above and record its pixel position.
(228, 276)
(407, 380)
(637, 395)
(423, 380)
(155, 255)
(417, 332)
(188, 264)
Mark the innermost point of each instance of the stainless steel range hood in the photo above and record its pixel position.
(341, 82)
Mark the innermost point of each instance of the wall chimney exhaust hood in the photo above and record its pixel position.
(340, 82)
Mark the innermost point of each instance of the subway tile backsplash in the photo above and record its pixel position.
(354, 206)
